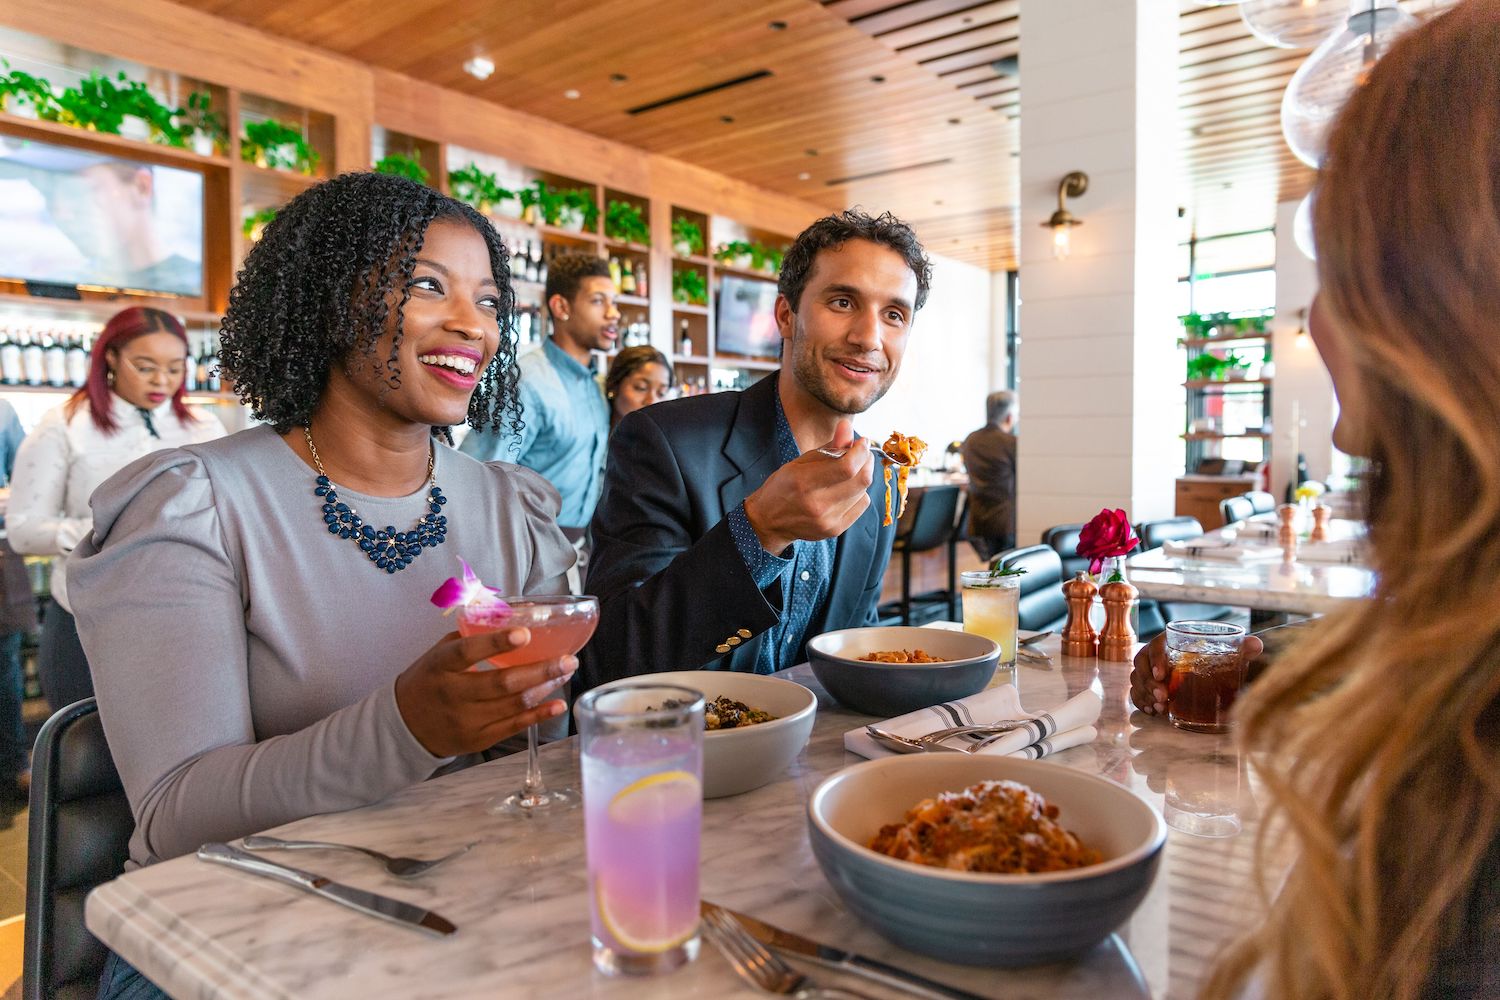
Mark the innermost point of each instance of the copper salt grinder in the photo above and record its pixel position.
(1286, 535)
(1320, 524)
(1117, 641)
(1079, 637)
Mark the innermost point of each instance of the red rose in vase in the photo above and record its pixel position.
(1108, 535)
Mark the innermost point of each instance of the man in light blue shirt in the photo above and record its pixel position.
(566, 418)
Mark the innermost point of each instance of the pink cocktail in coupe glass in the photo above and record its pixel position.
(560, 625)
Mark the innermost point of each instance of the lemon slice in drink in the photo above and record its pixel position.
(645, 930)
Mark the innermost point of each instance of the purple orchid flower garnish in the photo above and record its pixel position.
(458, 592)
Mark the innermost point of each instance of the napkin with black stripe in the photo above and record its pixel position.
(1043, 733)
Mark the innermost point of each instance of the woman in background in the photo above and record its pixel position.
(131, 405)
(639, 376)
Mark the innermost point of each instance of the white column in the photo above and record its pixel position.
(1301, 392)
(1099, 377)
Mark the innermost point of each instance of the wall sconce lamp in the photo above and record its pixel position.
(1062, 221)
(1303, 340)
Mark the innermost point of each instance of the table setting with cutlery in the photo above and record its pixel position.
(429, 894)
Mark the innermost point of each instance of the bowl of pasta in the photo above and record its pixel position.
(985, 860)
(894, 669)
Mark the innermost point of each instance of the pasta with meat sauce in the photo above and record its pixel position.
(1002, 827)
(905, 451)
(901, 656)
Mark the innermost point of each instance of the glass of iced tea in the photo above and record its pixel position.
(990, 610)
(1206, 674)
(642, 753)
(560, 625)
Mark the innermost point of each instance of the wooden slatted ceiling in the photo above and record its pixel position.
(943, 110)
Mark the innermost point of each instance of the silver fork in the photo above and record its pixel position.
(399, 867)
(760, 967)
(873, 450)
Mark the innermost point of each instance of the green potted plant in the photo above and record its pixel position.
(576, 210)
(255, 223)
(733, 253)
(764, 258)
(1205, 366)
(625, 222)
(687, 237)
(478, 188)
(1194, 327)
(24, 95)
(93, 105)
(277, 146)
(688, 287)
(399, 165)
(1236, 367)
(203, 127)
(145, 116)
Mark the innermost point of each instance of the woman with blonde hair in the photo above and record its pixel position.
(1378, 734)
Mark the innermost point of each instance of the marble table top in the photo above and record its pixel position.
(520, 900)
(1298, 586)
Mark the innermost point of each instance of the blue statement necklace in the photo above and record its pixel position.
(390, 550)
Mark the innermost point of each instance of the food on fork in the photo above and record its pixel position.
(901, 656)
(905, 452)
(1002, 827)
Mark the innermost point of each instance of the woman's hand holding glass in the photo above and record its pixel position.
(1148, 675)
(453, 710)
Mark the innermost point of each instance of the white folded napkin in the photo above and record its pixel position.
(1344, 550)
(1213, 547)
(1048, 732)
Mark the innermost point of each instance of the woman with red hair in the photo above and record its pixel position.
(131, 405)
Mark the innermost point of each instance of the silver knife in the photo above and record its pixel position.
(375, 905)
(846, 961)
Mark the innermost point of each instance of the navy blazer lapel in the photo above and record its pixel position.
(751, 444)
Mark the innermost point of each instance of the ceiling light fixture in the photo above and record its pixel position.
(804, 176)
(480, 68)
(1062, 221)
(777, 25)
(571, 94)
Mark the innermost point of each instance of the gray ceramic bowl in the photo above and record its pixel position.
(738, 760)
(888, 689)
(976, 918)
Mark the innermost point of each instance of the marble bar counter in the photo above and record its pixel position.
(520, 898)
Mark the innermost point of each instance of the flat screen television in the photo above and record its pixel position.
(73, 217)
(747, 318)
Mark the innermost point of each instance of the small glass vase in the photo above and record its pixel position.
(1113, 570)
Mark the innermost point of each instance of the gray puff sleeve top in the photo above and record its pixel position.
(245, 659)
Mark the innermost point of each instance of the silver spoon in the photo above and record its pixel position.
(399, 867)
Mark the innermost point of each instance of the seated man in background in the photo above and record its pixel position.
(990, 458)
(734, 526)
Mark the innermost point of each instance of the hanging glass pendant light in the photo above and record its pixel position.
(1320, 88)
(1302, 227)
(1293, 24)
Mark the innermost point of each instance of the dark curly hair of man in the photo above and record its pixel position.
(318, 288)
(565, 273)
(833, 231)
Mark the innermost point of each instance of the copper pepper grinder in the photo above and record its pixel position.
(1286, 536)
(1079, 637)
(1320, 524)
(1117, 641)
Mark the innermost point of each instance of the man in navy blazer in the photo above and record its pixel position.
(735, 526)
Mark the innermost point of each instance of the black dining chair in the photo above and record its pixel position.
(1063, 539)
(934, 517)
(79, 837)
(1261, 502)
(1155, 534)
(1236, 509)
(1041, 604)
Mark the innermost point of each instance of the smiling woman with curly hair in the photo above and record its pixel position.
(285, 659)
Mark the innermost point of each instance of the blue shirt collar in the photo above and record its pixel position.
(564, 362)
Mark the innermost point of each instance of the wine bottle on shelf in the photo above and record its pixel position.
(541, 262)
(627, 279)
(517, 261)
(78, 362)
(55, 360)
(614, 274)
(190, 370)
(640, 280)
(684, 339)
(33, 361)
(213, 384)
(10, 358)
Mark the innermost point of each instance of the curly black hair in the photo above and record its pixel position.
(316, 291)
(834, 231)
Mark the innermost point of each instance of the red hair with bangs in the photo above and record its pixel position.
(123, 327)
